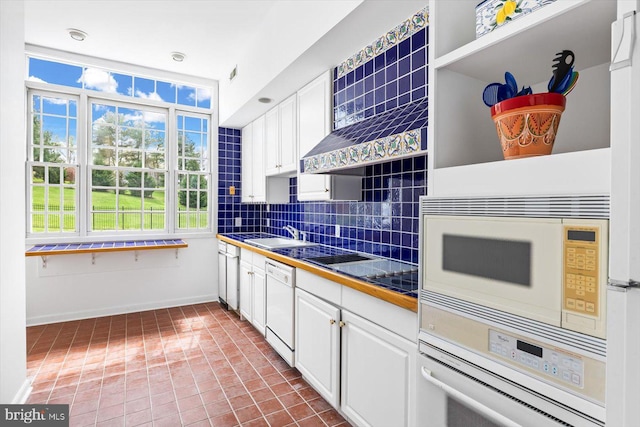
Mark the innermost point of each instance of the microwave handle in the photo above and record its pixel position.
(484, 410)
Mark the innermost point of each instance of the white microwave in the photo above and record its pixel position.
(553, 270)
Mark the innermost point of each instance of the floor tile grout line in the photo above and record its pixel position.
(221, 329)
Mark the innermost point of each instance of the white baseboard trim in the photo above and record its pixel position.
(111, 311)
(23, 394)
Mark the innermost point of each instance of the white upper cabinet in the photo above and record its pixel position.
(256, 187)
(272, 142)
(246, 179)
(288, 147)
(465, 153)
(281, 139)
(314, 123)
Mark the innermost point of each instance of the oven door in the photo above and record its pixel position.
(510, 264)
(454, 393)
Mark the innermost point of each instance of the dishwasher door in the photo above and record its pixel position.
(222, 274)
(233, 276)
(280, 285)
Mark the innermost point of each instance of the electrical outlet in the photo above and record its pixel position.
(239, 221)
(337, 230)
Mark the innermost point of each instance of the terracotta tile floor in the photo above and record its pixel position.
(196, 365)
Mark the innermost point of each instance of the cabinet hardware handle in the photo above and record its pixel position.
(326, 190)
(341, 324)
(332, 321)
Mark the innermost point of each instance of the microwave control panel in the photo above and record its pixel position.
(581, 281)
(553, 363)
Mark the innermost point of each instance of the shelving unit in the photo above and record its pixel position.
(465, 154)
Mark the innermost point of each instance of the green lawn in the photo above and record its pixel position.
(105, 216)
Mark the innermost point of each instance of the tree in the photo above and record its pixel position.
(134, 180)
(189, 189)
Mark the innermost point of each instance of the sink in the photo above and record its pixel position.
(278, 242)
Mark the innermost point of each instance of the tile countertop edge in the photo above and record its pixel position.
(404, 301)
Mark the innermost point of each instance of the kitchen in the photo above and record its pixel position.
(391, 193)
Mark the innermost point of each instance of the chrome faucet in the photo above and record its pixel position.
(293, 231)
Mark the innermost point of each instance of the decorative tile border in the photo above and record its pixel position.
(412, 25)
(382, 149)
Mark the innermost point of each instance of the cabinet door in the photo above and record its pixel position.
(222, 276)
(314, 123)
(272, 142)
(318, 344)
(259, 301)
(288, 135)
(246, 279)
(246, 179)
(259, 179)
(377, 374)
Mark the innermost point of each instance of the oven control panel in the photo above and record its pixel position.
(547, 362)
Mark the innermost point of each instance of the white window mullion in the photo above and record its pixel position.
(171, 182)
(83, 176)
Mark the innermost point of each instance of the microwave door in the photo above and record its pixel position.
(510, 264)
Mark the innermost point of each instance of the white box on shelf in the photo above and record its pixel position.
(491, 14)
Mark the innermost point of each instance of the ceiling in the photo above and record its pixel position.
(277, 45)
(210, 33)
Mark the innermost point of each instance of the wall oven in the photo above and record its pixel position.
(513, 311)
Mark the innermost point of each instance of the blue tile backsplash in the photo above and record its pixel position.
(395, 77)
(386, 221)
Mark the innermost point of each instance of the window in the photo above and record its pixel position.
(118, 164)
(127, 168)
(52, 170)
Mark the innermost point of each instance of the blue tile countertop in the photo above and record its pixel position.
(405, 283)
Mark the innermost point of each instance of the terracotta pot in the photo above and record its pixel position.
(527, 125)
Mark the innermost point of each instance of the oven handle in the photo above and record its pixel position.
(484, 410)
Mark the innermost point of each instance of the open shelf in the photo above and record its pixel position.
(462, 135)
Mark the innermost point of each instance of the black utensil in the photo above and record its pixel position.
(561, 67)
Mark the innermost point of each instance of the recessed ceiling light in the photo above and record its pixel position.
(178, 56)
(77, 35)
(265, 100)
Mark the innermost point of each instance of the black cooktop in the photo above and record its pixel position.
(337, 259)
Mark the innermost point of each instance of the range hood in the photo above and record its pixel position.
(394, 134)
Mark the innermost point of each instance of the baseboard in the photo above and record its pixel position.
(23, 394)
(111, 311)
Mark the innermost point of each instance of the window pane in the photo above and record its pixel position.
(154, 160)
(166, 91)
(187, 95)
(104, 157)
(143, 87)
(102, 180)
(55, 73)
(124, 84)
(100, 80)
(56, 106)
(204, 97)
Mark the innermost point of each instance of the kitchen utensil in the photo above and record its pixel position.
(506, 92)
(572, 82)
(525, 91)
(563, 65)
(490, 94)
(511, 82)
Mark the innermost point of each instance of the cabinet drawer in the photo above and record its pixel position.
(318, 286)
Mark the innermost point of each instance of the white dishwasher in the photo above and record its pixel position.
(280, 308)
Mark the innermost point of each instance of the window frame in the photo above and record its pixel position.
(84, 97)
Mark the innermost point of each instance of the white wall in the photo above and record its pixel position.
(73, 287)
(13, 364)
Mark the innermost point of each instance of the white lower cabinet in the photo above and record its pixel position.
(377, 374)
(318, 344)
(252, 289)
(364, 370)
